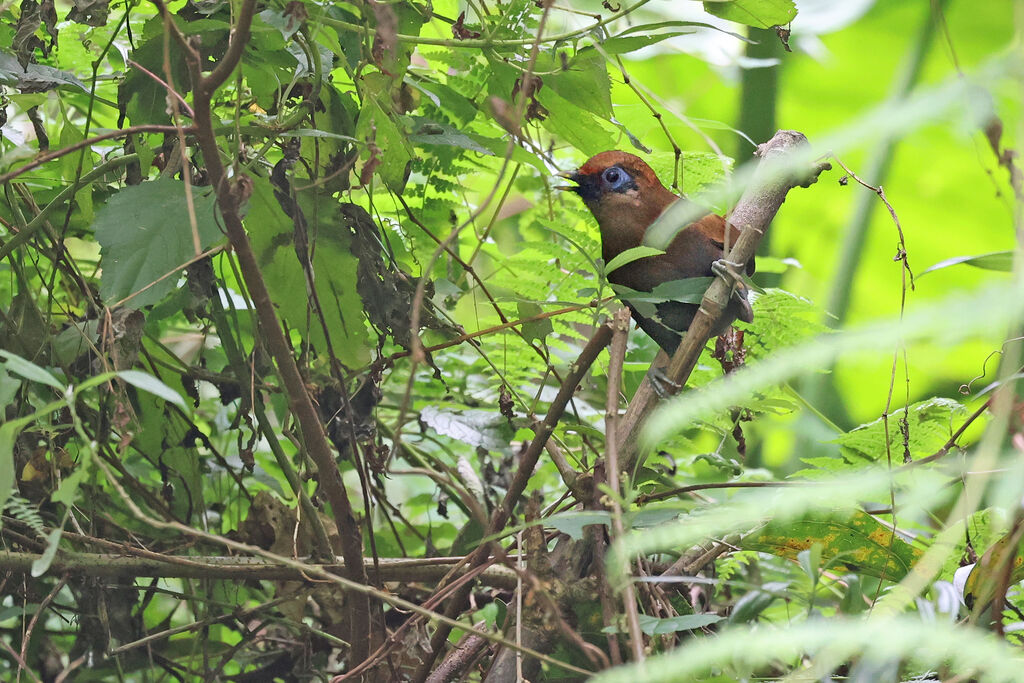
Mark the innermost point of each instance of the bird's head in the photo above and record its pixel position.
(620, 189)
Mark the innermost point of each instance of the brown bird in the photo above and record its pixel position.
(625, 196)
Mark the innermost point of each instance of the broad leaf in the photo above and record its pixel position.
(757, 13)
(334, 272)
(856, 540)
(145, 234)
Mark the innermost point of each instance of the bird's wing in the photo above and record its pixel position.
(713, 227)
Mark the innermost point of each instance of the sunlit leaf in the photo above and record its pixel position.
(758, 13)
(1001, 261)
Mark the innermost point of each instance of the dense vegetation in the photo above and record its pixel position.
(308, 370)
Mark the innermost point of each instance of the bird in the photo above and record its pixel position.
(625, 196)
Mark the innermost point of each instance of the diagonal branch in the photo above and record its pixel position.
(754, 212)
(230, 194)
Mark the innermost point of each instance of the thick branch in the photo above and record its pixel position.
(229, 196)
(242, 568)
(754, 212)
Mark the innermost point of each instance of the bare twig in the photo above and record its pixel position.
(527, 463)
(75, 146)
(230, 194)
(618, 356)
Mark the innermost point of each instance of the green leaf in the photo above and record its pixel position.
(8, 435)
(986, 310)
(929, 426)
(689, 290)
(854, 539)
(1001, 261)
(584, 82)
(41, 564)
(572, 523)
(29, 370)
(147, 382)
(575, 125)
(478, 428)
(143, 98)
(35, 77)
(67, 492)
(685, 622)
(758, 13)
(622, 45)
(630, 255)
(375, 125)
(334, 271)
(145, 233)
(429, 132)
(538, 329)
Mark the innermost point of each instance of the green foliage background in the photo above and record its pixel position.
(382, 154)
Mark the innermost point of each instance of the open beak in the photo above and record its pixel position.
(573, 176)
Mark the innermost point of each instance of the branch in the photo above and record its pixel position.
(752, 215)
(75, 146)
(401, 569)
(527, 463)
(230, 194)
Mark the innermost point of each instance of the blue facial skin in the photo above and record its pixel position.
(613, 179)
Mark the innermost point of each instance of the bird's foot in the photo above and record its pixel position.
(732, 274)
(662, 384)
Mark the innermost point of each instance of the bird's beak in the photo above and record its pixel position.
(573, 176)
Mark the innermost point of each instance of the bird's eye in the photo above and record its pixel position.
(612, 176)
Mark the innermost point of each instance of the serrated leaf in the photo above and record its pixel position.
(930, 424)
(334, 271)
(758, 13)
(145, 233)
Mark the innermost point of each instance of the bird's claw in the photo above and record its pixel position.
(662, 384)
(731, 273)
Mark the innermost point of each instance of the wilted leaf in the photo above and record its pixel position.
(36, 77)
(478, 428)
(856, 540)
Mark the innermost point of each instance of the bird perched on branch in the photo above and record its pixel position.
(626, 197)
